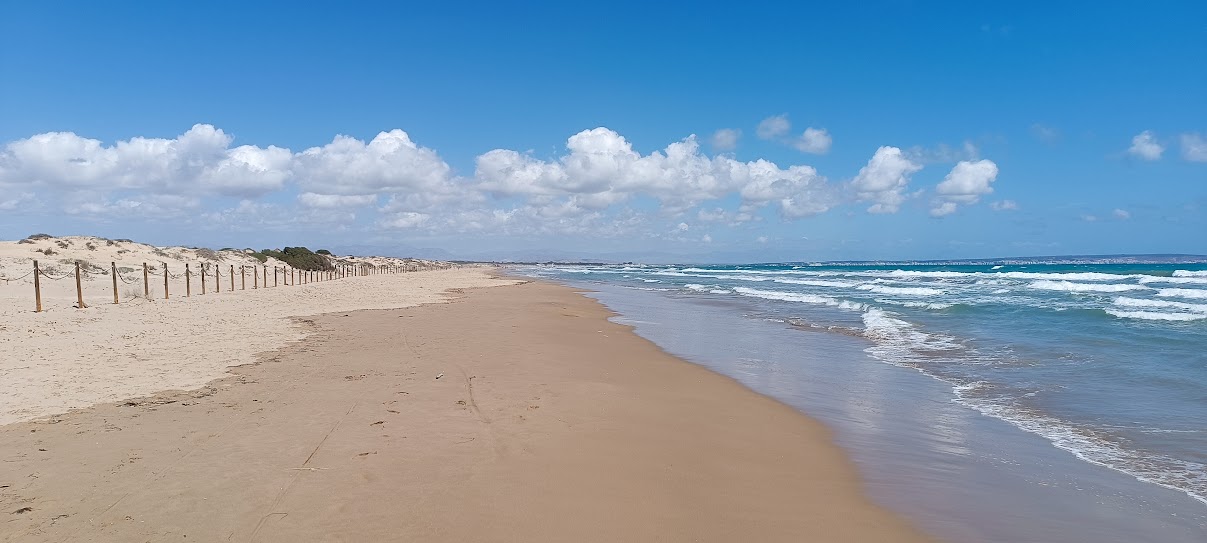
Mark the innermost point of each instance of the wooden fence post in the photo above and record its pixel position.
(146, 282)
(37, 287)
(113, 270)
(165, 280)
(203, 278)
(232, 277)
(274, 276)
(188, 282)
(242, 277)
(255, 278)
(79, 288)
(265, 276)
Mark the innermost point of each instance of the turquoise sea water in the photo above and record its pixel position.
(1104, 364)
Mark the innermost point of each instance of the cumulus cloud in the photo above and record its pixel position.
(199, 161)
(726, 139)
(965, 184)
(601, 169)
(1121, 214)
(776, 126)
(600, 186)
(1194, 147)
(1146, 146)
(389, 162)
(1003, 205)
(814, 140)
(943, 209)
(884, 179)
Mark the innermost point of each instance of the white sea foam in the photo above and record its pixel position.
(899, 342)
(1069, 286)
(1176, 474)
(1156, 315)
(1189, 273)
(797, 297)
(935, 274)
(1191, 293)
(922, 305)
(1181, 280)
(817, 283)
(903, 291)
(1160, 304)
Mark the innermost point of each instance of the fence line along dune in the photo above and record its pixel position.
(58, 256)
(65, 357)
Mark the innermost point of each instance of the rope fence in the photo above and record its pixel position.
(210, 275)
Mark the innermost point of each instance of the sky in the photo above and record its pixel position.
(628, 131)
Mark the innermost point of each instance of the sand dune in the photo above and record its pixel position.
(67, 358)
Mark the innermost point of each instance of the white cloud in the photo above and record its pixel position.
(773, 127)
(405, 220)
(726, 139)
(965, 184)
(943, 209)
(761, 239)
(602, 169)
(1194, 147)
(1003, 205)
(1121, 214)
(13, 202)
(706, 238)
(600, 186)
(712, 215)
(332, 201)
(199, 161)
(1145, 146)
(883, 180)
(814, 140)
(390, 162)
(142, 206)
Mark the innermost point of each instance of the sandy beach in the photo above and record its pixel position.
(507, 414)
(66, 358)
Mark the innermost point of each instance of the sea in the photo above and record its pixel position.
(985, 402)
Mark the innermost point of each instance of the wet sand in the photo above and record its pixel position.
(513, 413)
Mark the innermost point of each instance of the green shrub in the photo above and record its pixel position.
(300, 258)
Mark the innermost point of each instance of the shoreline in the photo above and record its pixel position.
(547, 422)
(950, 469)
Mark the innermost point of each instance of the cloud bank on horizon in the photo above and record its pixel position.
(599, 187)
(594, 188)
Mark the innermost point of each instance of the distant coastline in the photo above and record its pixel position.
(1002, 261)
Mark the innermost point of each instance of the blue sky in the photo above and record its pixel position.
(882, 130)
